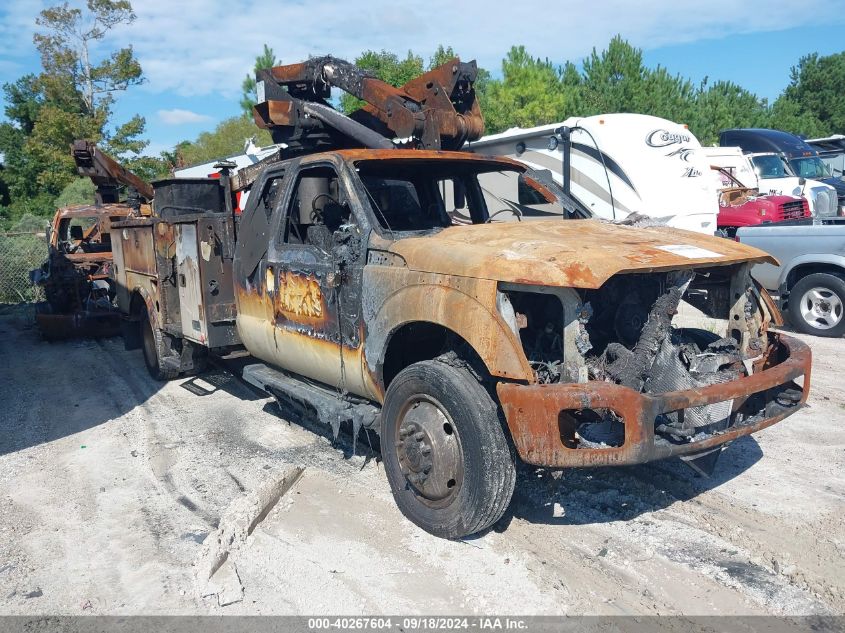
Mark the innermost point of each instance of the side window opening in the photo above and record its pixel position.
(317, 209)
(454, 195)
(271, 194)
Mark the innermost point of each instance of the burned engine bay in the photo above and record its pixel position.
(635, 331)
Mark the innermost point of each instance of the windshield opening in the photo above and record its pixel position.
(810, 167)
(424, 194)
(770, 166)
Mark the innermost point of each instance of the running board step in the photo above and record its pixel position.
(332, 408)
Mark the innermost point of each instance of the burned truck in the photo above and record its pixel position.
(76, 276)
(563, 342)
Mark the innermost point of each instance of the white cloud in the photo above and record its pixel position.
(180, 117)
(207, 47)
(201, 48)
(17, 23)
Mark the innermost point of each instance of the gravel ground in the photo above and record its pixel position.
(112, 489)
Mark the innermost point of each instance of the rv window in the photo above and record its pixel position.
(514, 195)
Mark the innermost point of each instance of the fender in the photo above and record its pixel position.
(465, 306)
(150, 303)
(830, 259)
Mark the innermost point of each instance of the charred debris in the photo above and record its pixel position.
(629, 332)
(77, 275)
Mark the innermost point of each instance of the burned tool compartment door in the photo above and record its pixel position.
(305, 278)
(190, 283)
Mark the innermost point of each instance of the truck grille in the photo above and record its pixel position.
(825, 202)
(794, 210)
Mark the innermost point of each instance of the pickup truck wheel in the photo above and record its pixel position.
(153, 346)
(817, 305)
(445, 453)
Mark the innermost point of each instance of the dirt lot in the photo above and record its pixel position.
(110, 483)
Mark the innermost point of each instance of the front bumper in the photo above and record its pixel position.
(542, 431)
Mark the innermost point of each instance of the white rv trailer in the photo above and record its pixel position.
(621, 164)
(771, 174)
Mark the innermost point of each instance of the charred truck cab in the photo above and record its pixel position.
(406, 292)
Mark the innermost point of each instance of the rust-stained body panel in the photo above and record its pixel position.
(575, 253)
(536, 414)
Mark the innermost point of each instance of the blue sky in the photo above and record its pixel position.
(195, 53)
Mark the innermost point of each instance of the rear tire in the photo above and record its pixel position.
(817, 305)
(450, 466)
(153, 347)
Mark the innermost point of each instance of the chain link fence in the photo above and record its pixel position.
(20, 253)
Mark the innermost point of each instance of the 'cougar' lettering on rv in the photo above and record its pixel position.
(662, 138)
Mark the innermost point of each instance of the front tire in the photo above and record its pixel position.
(817, 305)
(450, 467)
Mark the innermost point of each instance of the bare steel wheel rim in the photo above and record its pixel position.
(428, 449)
(822, 308)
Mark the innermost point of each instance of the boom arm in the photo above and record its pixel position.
(106, 173)
(437, 110)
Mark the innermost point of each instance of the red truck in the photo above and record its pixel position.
(742, 206)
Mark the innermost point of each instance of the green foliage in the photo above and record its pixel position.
(41, 204)
(789, 116)
(267, 59)
(226, 139)
(442, 55)
(18, 255)
(815, 93)
(79, 191)
(150, 168)
(531, 92)
(724, 105)
(616, 80)
(388, 67)
(71, 98)
(30, 224)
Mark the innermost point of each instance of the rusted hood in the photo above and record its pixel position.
(568, 253)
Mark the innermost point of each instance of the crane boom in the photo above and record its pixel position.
(437, 110)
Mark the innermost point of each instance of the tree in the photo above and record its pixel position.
(74, 82)
(724, 105)
(385, 66)
(72, 97)
(267, 59)
(812, 103)
(788, 115)
(226, 139)
(616, 80)
(531, 92)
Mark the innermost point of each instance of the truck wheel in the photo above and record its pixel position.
(154, 350)
(445, 453)
(817, 305)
